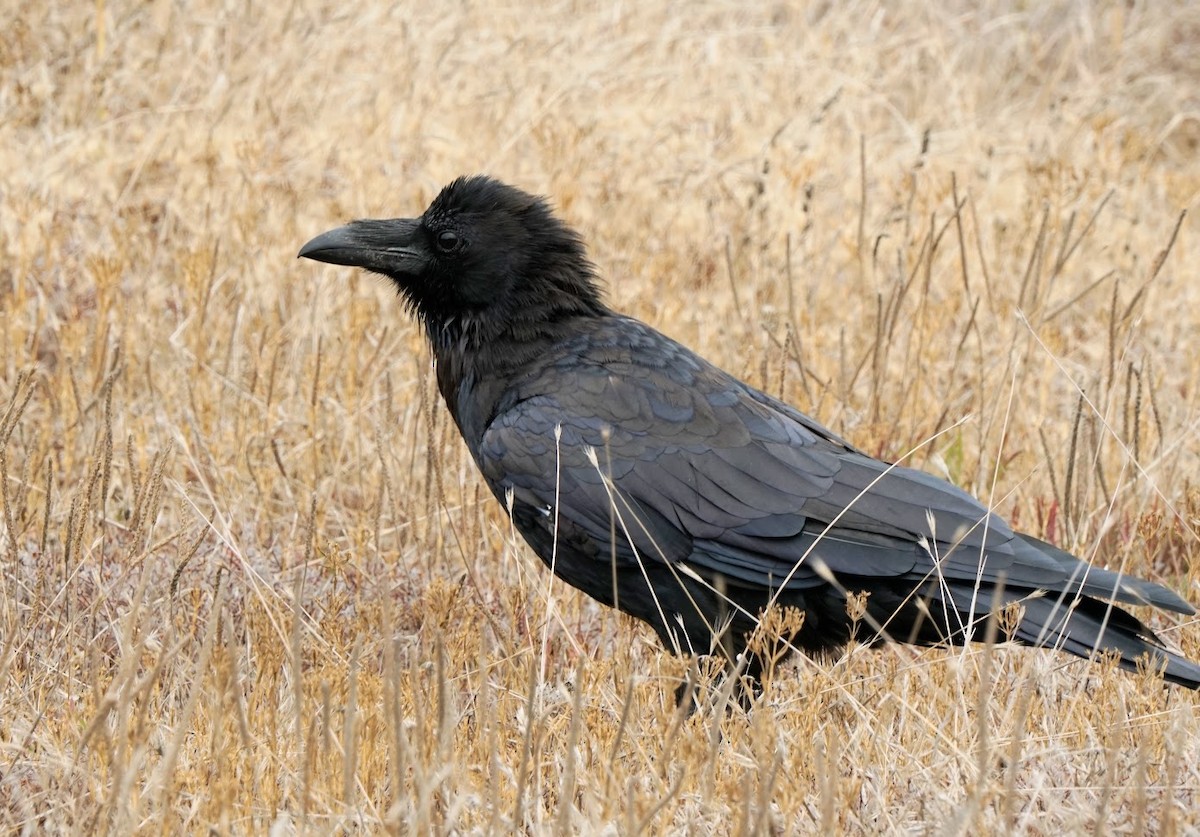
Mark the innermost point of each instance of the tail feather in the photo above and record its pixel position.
(1086, 628)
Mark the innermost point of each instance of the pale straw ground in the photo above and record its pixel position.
(251, 580)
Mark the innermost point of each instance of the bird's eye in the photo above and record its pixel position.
(448, 241)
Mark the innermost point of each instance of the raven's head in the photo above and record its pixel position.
(483, 253)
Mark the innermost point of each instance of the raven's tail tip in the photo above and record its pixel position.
(1175, 668)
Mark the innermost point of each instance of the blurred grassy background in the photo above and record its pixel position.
(250, 578)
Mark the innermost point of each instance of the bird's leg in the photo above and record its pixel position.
(746, 673)
(687, 696)
(739, 682)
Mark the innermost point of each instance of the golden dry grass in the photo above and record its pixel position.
(250, 578)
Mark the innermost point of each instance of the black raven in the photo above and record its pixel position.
(656, 483)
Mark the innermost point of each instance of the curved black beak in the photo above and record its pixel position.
(396, 247)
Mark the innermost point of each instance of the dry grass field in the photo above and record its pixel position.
(251, 581)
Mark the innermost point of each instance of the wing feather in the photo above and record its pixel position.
(706, 469)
